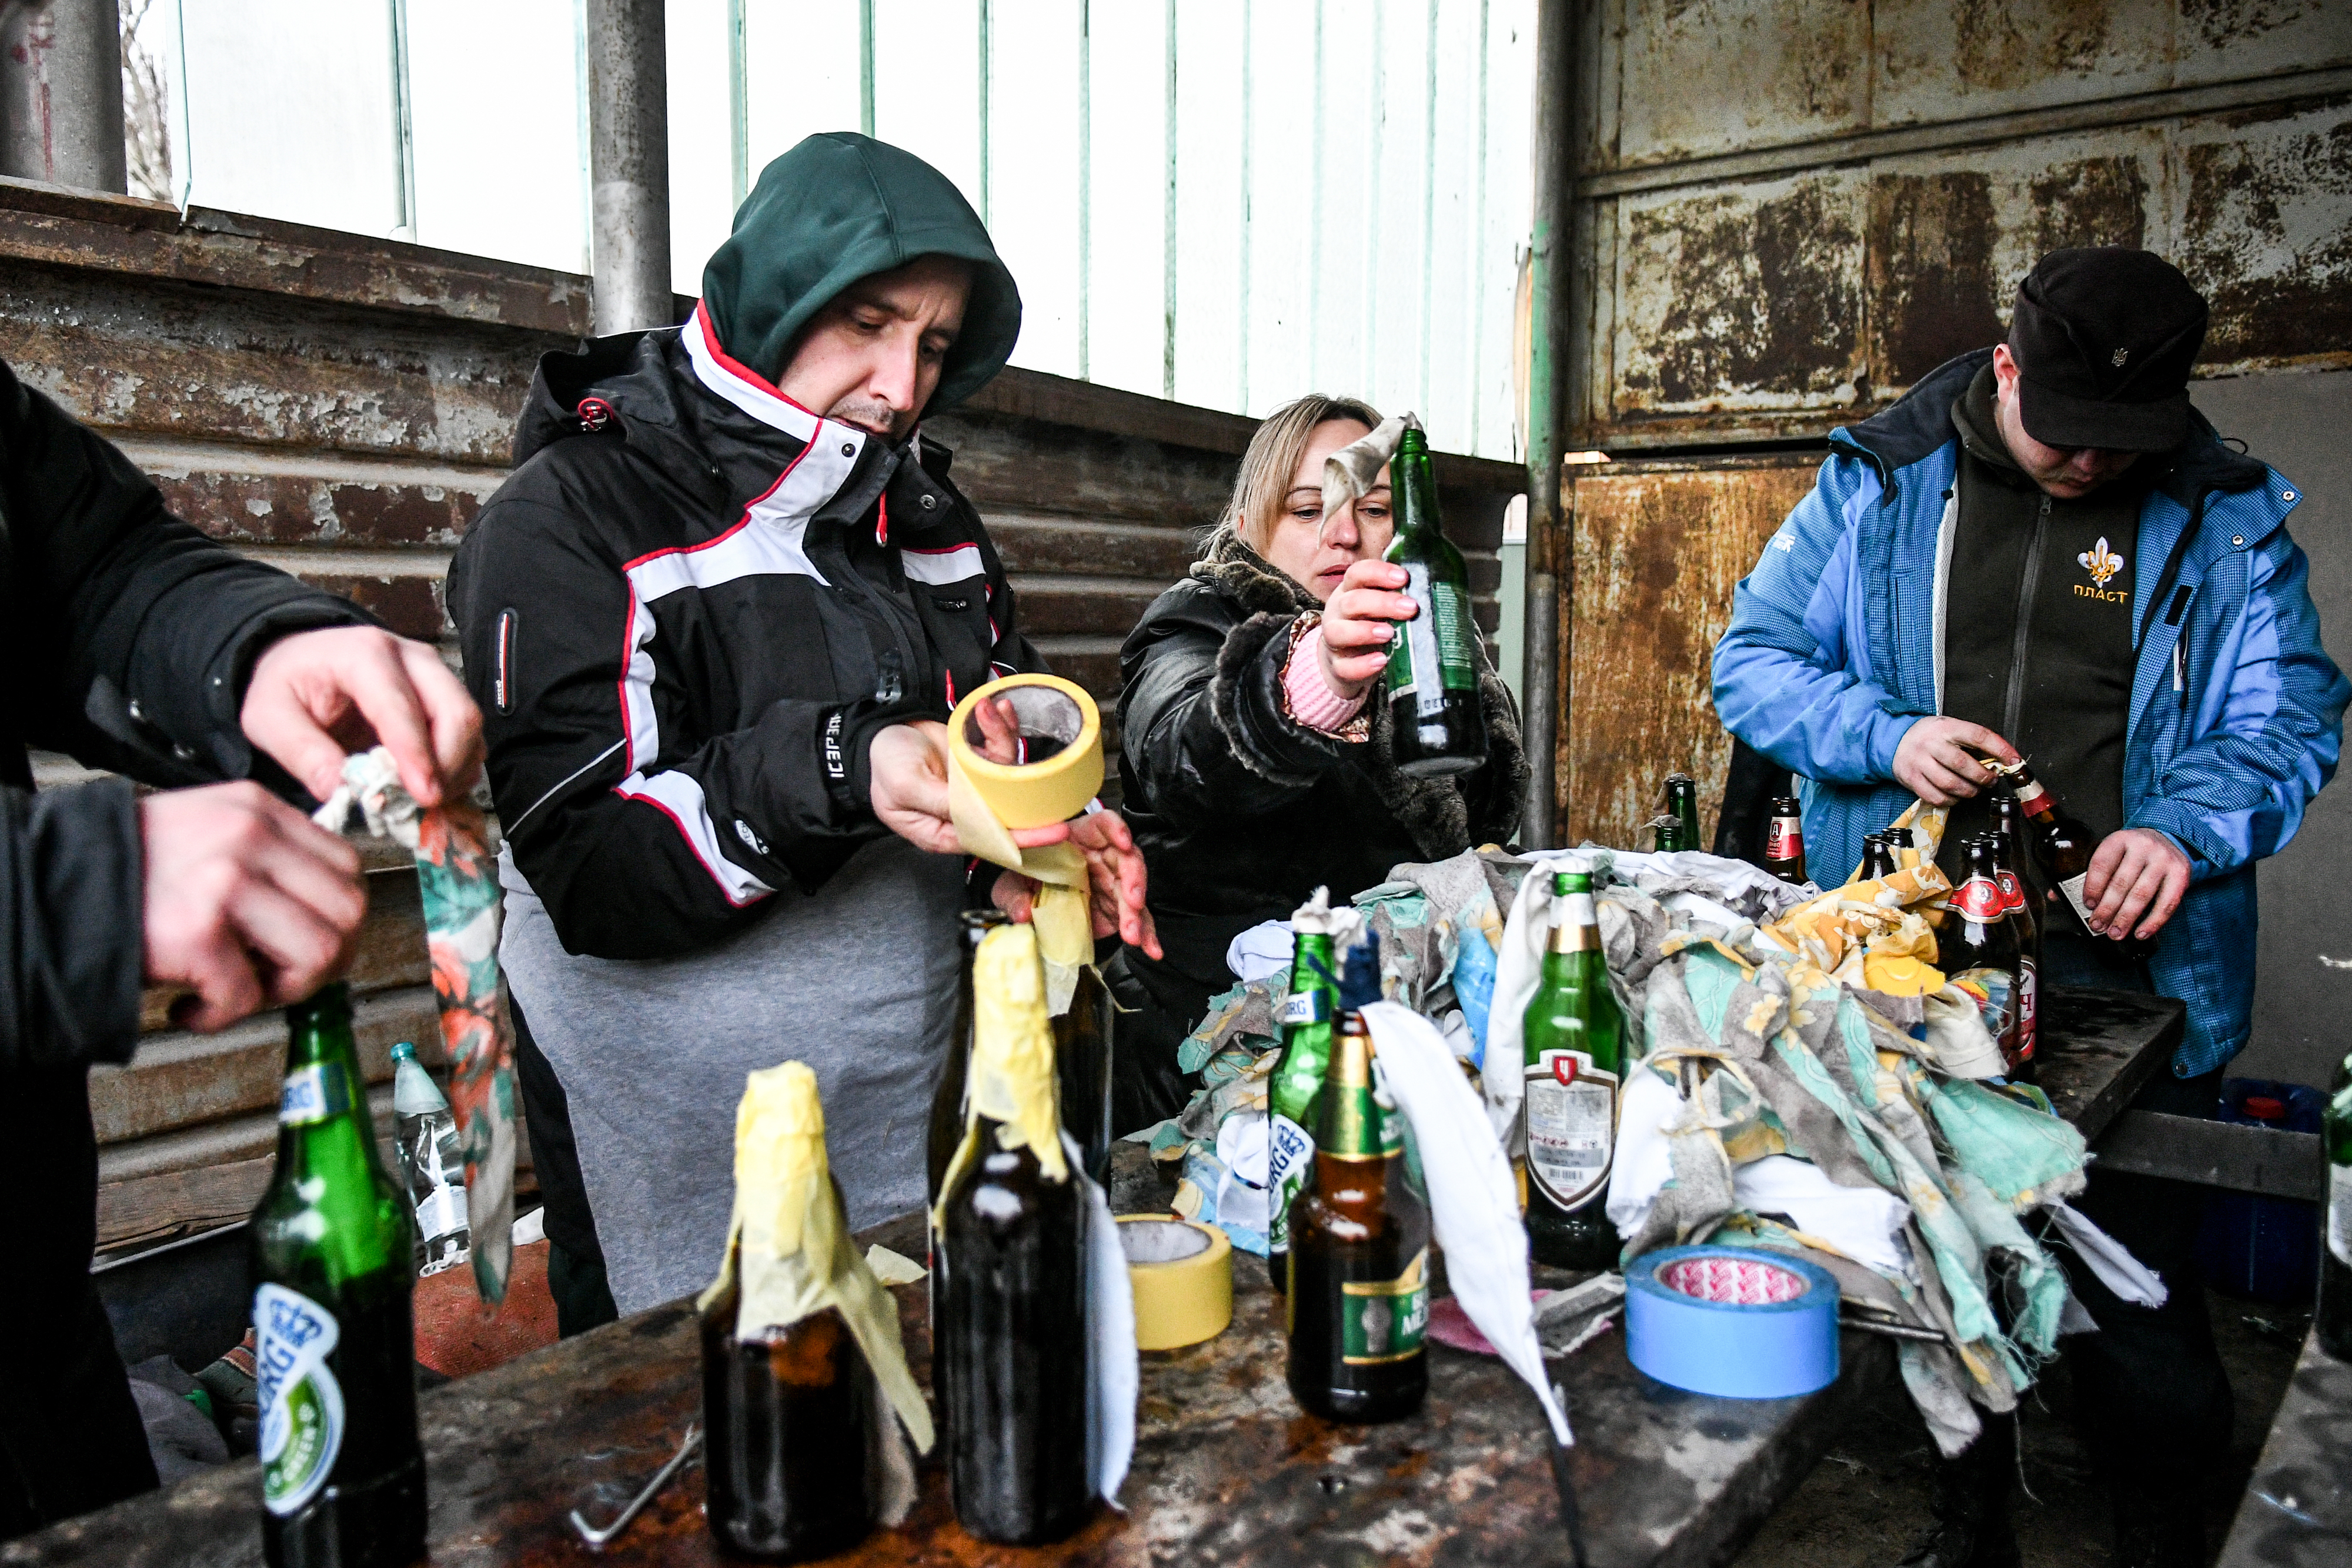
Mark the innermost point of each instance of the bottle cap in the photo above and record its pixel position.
(403, 1052)
(1360, 977)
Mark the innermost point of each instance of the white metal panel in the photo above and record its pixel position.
(492, 89)
(926, 84)
(1280, 246)
(1126, 205)
(1036, 142)
(1211, 202)
(1505, 195)
(803, 72)
(702, 135)
(1400, 206)
(1452, 300)
(289, 112)
(1346, 196)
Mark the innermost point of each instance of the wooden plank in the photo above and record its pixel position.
(1656, 556)
(2297, 1512)
(2235, 1157)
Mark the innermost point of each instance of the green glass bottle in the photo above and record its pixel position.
(343, 1474)
(2334, 1316)
(1359, 1299)
(1666, 835)
(1574, 1061)
(1438, 725)
(1297, 1089)
(1682, 805)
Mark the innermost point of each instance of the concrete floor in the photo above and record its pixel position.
(1867, 1502)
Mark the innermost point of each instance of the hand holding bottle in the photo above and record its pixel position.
(2137, 878)
(1940, 760)
(1360, 625)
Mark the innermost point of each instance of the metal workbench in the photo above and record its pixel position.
(1227, 1469)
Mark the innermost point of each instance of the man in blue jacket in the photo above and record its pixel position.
(2044, 550)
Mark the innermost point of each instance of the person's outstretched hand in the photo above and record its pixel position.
(1934, 759)
(248, 901)
(907, 764)
(317, 696)
(1114, 882)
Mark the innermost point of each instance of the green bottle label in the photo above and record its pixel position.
(1570, 1107)
(1289, 1155)
(1384, 1319)
(318, 1093)
(1306, 1007)
(301, 1403)
(2340, 1213)
(1433, 656)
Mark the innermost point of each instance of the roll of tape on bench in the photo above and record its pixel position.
(1183, 1273)
(1053, 788)
(1732, 1321)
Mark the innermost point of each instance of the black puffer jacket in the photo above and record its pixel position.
(1241, 812)
(129, 637)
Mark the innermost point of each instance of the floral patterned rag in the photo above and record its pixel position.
(458, 874)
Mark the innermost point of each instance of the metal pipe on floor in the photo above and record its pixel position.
(61, 93)
(629, 162)
(1550, 323)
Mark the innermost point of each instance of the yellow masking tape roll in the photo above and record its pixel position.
(1034, 794)
(1183, 1273)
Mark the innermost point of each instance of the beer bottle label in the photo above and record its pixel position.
(1785, 840)
(1306, 1007)
(2340, 1213)
(301, 1403)
(2072, 888)
(1979, 900)
(1385, 1107)
(1433, 656)
(1289, 1155)
(2028, 1007)
(2012, 892)
(1384, 1319)
(313, 1093)
(1571, 1111)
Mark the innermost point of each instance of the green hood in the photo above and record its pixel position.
(836, 208)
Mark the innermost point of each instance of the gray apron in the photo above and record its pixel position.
(858, 981)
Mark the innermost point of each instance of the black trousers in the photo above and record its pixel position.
(70, 1438)
(575, 1258)
(2151, 1397)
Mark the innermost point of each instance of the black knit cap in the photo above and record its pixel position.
(2104, 338)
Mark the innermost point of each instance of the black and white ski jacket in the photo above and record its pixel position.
(685, 615)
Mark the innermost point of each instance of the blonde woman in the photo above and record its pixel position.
(1254, 749)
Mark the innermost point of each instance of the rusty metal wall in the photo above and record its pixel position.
(1659, 545)
(342, 406)
(1857, 190)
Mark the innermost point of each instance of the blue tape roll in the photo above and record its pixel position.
(1738, 1350)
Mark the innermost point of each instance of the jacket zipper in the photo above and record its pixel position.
(2026, 584)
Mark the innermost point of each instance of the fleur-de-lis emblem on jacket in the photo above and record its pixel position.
(2101, 562)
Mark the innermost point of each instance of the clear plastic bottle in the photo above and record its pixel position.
(431, 1164)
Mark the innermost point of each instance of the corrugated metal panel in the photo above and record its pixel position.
(1857, 193)
(342, 408)
(1659, 547)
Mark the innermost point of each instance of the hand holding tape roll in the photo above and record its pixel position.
(1060, 732)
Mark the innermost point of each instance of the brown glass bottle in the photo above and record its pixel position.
(1980, 935)
(1877, 857)
(1010, 1331)
(1358, 1304)
(788, 1423)
(946, 1129)
(1784, 842)
(1082, 1066)
(2063, 847)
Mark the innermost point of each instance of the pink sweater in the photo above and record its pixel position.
(1313, 702)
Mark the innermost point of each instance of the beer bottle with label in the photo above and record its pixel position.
(1358, 1298)
(1784, 844)
(2005, 837)
(1682, 805)
(1980, 936)
(1567, 1114)
(1012, 1238)
(2062, 848)
(2334, 1316)
(343, 1474)
(1437, 724)
(1296, 1090)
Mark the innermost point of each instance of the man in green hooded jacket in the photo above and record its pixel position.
(714, 620)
